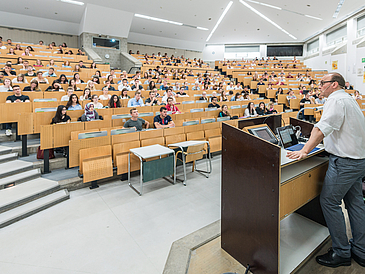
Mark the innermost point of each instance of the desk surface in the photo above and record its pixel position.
(187, 143)
(151, 151)
(285, 160)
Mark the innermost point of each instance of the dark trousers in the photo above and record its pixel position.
(343, 181)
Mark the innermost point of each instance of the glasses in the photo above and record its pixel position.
(321, 83)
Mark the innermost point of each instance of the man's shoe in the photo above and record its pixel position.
(357, 259)
(331, 259)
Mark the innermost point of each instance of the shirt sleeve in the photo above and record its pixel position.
(332, 117)
(130, 103)
(155, 120)
(143, 121)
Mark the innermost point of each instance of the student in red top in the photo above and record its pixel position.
(171, 107)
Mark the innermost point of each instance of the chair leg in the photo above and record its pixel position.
(193, 166)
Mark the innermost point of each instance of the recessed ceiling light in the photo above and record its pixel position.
(310, 16)
(157, 19)
(267, 19)
(73, 2)
(220, 19)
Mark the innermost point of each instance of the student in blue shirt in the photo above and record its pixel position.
(136, 101)
(73, 103)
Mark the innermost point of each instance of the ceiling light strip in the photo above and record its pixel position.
(339, 6)
(278, 8)
(73, 2)
(166, 21)
(220, 19)
(267, 19)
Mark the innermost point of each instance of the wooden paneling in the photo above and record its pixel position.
(97, 168)
(47, 136)
(25, 123)
(94, 152)
(62, 133)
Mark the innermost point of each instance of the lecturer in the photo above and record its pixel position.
(342, 126)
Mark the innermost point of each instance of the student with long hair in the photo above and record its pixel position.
(87, 95)
(224, 112)
(62, 79)
(114, 102)
(73, 103)
(61, 115)
(95, 101)
(250, 110)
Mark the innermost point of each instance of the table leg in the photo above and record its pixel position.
(129, 175)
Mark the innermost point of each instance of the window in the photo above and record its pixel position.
(337, 36)
(106, 42)
(361, 26)
(313, 47)
(296, 50)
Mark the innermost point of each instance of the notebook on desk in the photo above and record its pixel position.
(298, 147)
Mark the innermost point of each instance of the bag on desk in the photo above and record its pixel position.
(40, 153)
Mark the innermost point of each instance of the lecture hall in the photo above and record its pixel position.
(182, 137)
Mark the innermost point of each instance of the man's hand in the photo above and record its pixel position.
(297, 155)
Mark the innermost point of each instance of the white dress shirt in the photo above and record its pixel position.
(343, 126)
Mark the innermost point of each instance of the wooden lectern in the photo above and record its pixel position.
(271, 217)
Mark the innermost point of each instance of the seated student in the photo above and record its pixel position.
(1, 77)
(17, 97)
(236, 97)
(11, 52)
(124, 94)
(291, 95)
(50, 73)
(95, 100)
(20, 79)
(7, 86)
(109, 86)
(270, 108)
(261, 109)
(81, 64)
(136, 122)
(90, 114)
(348, 86)
(105, 95)
(77, 78)
(224, 112)
(114, 102)
(164, 86)
(72, 84)
(250, 110)
(55, 86)
(40, 78)
(66, 97)
(357, 95)
(86, 95)
(73, 103)
(52, 64)
(38, 64)
(196, 87)
(26, 52)
(152, 100)
(171, 107)
(124, 85)
(33, 86)
(204, 97)
(214, 103)
(137, 85)
(169, 93)
(136, 101)
(163, 120)
(306, 100)
(8, 71)
(30, 72)
(79, 52)
(61, 116)
(181, 92)
(320, 100)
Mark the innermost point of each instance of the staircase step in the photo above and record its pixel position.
(8, 157)
(5, 150)
(11, 216)
(20, 177)
(26, 192)
(14, 167)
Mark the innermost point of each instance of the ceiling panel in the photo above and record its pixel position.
(240, 25)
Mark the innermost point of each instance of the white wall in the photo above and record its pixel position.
(348, 63)
(14, 20)
(213, 52)
(109, 21)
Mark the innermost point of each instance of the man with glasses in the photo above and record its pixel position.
(342, 128)
(17, 97)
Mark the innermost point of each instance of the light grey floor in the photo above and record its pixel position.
(111, 229)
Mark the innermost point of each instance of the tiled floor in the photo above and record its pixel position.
(111, 229)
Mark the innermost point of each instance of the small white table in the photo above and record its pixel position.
(146, 153)
(186, 144)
